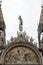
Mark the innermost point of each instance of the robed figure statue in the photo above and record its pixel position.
(20, 24)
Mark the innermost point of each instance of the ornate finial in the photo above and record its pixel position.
(20, 24)
(11, 38)
(31, 39)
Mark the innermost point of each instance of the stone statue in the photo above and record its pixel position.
(21, 23)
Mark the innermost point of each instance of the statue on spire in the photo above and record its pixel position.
(20, 24)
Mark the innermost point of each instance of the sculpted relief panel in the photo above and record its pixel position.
(21, 55)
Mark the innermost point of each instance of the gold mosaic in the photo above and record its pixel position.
(21, 55)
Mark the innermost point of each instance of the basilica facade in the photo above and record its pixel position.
(20, 49)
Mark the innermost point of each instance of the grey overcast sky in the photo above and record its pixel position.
(30, 12)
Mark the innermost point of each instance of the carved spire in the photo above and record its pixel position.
(2, 23)
(1, 15)
(2, 31)
(20, 24)
(41, 17)
(40, 29)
